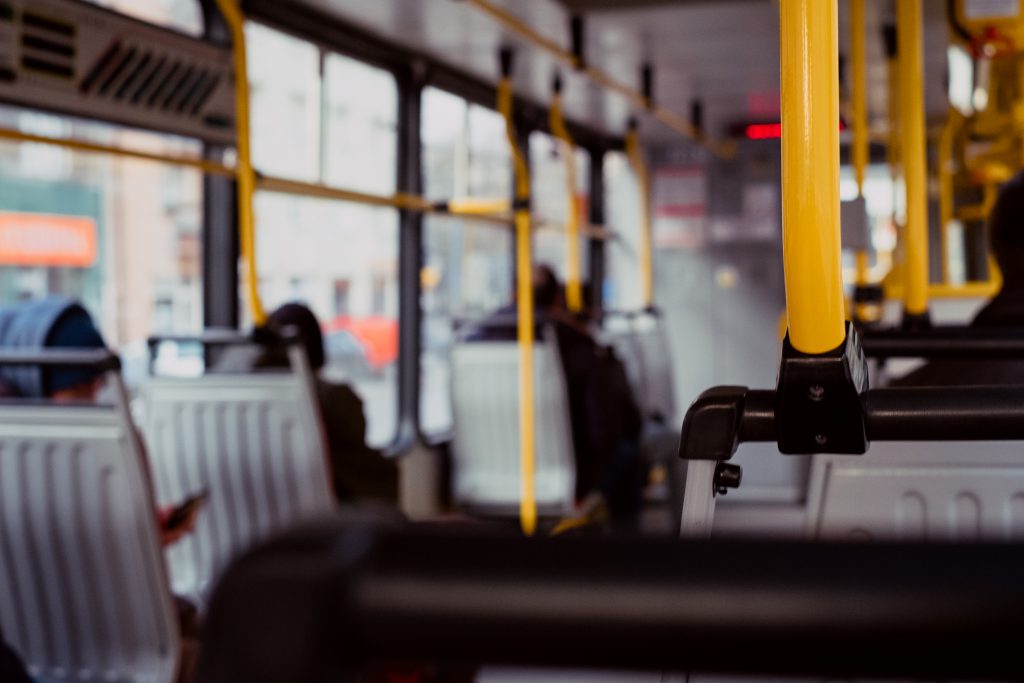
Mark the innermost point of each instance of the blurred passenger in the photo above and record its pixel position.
(1005, 310)
(606, 420)
(60, 322)
(359, 472)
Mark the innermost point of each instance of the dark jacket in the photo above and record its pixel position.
(1006, 310)
(359, 471)
(28, 326)
(603, 412)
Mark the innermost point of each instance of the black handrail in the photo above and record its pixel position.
(320, 604)
(947, 342)
(100, 359)
(724, 417)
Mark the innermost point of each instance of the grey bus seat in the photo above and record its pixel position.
(485, 395)
(639, 341)
(254, 442)
(84, 594)
(924, 490)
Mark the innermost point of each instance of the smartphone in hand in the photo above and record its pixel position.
(183, 512)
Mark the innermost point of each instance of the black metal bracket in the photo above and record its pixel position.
(818, 401)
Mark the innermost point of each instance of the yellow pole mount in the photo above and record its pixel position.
(810, 174)
(524, 301)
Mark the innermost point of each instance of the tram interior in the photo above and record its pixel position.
(384, 305)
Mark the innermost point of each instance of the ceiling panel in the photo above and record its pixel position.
(724, 52)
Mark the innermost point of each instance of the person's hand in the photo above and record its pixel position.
(169, 537)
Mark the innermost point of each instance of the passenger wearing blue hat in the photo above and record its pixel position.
(53, 322)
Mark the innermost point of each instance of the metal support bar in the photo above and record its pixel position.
(724, 417)
(810, 174)
(318, 605)
(596, 249)
(945, 342)
(910, 27)
(524, 300)
(220, 252)
(245, 175)
(410, 257)
(573, 286)
(636, 160)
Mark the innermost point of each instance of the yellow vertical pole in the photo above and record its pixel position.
(859, 90)
(810, 174)
(912, 134)
(636, 159)
(946, 190)
(524, 298)
(246, 176)
(573, 285)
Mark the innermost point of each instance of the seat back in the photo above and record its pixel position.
(485, 394)
(914, 491)
(255, 443)
(83, 589)
(640, 343)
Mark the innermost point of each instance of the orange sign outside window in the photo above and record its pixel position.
(36, 239)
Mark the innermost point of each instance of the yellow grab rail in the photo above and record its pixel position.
(810, 174)
(601, 78)
(246, 176)
(909, 26)
(861, 135)
(636, 159)
(573, 285)
(524, 299)
(204, 165)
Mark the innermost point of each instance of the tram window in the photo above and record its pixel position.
(181, 15)
(550, 204)
(468, 264)
(122, 235)
(339, 258)
(622, 285)
(285, 105)
(361, 119)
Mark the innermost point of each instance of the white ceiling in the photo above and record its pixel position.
(724, 52)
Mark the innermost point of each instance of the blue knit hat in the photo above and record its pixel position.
(73, 330)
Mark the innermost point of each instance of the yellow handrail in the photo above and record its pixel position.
(573, 286)
(524, 298)
(636, 159)
(946, 170)
(246, 176)
(601, 78)
(810, 174)
(912, 134)
(861, 136)
(204, 165)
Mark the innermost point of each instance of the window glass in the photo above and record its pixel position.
(623, 289)
(360, 148)
(122, 235)
(339, 258)
(284, 103)
(181, 15)
(468, 266)
(551, 205)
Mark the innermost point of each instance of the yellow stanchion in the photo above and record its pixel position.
(573, 284)
(810, 174)
(245, 174)
(524, 290)
(912, 135)
(861, 134)
(636, 159)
